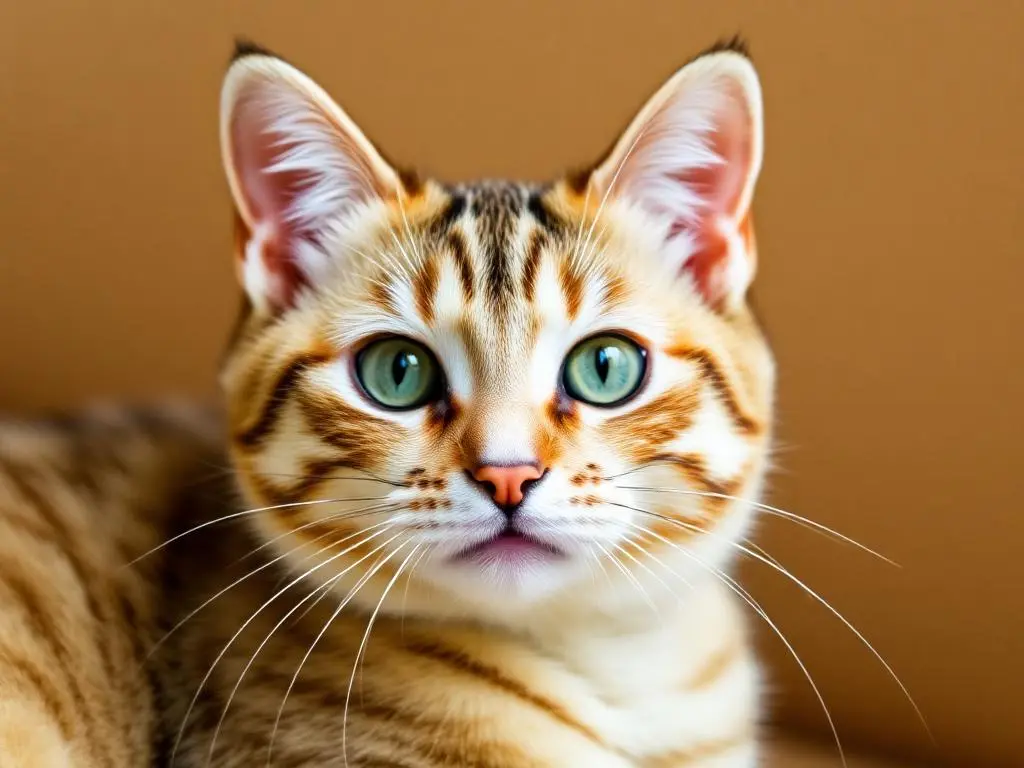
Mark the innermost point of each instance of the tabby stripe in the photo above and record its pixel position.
(383, 296)
(713, 373)
(252, 437)
(424, 287)
(532, 264)
(460, 255)
(657, 421)
(363, 440)
(314, 473)
(614, 290)
(437, 742)
(716, 666)
(462, 662)
(29, 527)
(407, 738)
(49, 694)
(443, 223)
(695, 469)
(496, 212)
(572, 288)
(545, 216)
(17, 476)
(698, 753)
(101, 612)
(46, 632)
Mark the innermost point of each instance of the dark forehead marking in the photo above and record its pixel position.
(496, 208)
(545, 217)
(460, 255)
(441, 224)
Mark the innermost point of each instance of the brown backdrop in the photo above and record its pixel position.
(890, 231)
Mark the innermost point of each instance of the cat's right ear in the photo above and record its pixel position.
(297, 166)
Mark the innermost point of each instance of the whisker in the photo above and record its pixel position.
(633, 542)
(644, 567)
(590, 566)
(757, 548)
(744, 595)
(766, 508)
(400, 272)
(365, 476)
(630, 578)
(346, 515)
(408, 231)
(638, 468)
(785, 572)
(251, 573)
(611, 184)
(597, 560)
(316, 602)
(362, 648)
(393, 269)
(579, 230)
(341, 606)
(408, 581)
(401, 248)
(324, 589)
(243, 513)
(252, 617)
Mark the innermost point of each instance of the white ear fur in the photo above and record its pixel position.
(296, 164)
(690, 159)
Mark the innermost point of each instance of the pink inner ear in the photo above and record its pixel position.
(721, 189)
(268, 197)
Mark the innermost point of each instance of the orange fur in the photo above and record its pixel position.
(319, 601)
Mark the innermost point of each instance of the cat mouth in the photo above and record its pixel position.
(509, 545)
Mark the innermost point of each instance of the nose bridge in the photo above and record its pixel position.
(501, 423)
(501, 432)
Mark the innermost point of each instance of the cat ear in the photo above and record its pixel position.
(691, 159)
(297, 165)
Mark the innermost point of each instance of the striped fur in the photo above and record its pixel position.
(328, 620)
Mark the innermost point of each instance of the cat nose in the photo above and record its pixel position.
(507, 485)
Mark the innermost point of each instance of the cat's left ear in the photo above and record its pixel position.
(691, 159)
(297, 166)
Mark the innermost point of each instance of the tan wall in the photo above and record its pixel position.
(890, 230)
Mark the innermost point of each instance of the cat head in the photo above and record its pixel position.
(500, 389)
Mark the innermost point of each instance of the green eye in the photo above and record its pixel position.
(398, 373)
(604, 370)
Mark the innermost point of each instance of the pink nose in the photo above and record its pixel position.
(507, 484)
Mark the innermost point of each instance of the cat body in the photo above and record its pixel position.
(493, 447)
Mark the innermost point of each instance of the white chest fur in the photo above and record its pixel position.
(680, 682)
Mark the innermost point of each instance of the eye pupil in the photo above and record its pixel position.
(602, 363)
(399, 367)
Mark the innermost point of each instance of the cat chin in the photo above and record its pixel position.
(506, 585)
(561, 589)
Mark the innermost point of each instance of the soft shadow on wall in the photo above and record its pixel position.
(889, 225)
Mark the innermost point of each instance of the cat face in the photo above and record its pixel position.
(503, 390)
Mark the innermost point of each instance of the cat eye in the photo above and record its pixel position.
(604, 370)
(399, 373)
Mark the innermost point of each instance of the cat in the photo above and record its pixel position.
(490, 449)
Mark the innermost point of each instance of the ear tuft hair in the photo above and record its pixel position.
(246, 47)
(735, 44)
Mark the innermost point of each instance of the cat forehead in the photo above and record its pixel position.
(505, 225)
(501, 260)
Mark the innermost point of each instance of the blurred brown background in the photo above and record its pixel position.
(890, 231)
